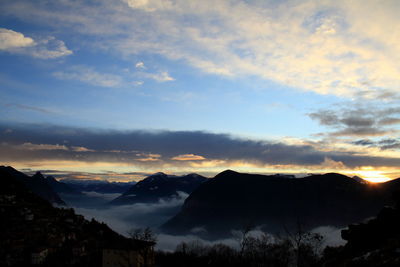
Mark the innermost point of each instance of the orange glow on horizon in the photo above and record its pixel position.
(373, 176)
(118, 170)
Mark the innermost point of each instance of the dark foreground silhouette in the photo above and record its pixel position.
(277, 203)
(36, 233)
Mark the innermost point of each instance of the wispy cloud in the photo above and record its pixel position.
(359, 120)
(383, 144)
(331, 47)
(45, 48)
(162, 76)
(186, 157)
(28, 107)
(148, 157)
(30, 146)
(90, 76)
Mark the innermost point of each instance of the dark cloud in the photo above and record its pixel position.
(26, 107)
(363, 142)
(383, 144)
(358, 121)
(56, 143)
(389, 121)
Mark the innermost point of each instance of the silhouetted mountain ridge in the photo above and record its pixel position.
(232, 199)
(37, 234)
(159, 186)
(37, 184)
(99, 186)
(61, 187)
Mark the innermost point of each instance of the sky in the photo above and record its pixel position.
(115, 89)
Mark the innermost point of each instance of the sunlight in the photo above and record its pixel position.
(373, 176)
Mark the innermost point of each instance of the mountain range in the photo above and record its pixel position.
(60, 187)
(99, 186)
(233, 200)
(159, 186)
(37, 184)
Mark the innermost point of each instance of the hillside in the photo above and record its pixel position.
(40, 234)
(37, 184)
(232, 200)
(159, 186)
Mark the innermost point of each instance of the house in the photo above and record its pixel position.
(134, 253)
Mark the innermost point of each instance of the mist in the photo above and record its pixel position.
(140, 215)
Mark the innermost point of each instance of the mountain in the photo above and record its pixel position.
(158, 186)
(37, 184)
(232, 200)
(99, 186)
(60, 187)
(34, 233)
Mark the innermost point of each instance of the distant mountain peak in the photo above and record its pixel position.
(38, 175)
(50, 178)
(158, 186)
(194, 175)
(158, 174)
(226, 173)
(36, 183)
(359, 179)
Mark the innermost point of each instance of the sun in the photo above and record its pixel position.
(373, 176)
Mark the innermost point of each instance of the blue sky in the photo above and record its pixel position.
(322, 74)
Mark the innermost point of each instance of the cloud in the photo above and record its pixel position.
(27, 107)
(125, 217)
(102, 176)
(159, 77)
(383, 144)
(332, 164)
(46, 48)
(10, 39)
(185, 157)
(156, 150)
(38, 147)
(81, 149)
(30, 146)
(140, 65)
(150, 5)
(138, 83)
(90, 76)
(104, 196)
(148, 157)
(359, 121)
(330, 47)
(141, 215)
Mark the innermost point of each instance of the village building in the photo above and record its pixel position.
(137, 253)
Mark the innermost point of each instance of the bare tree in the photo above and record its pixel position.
(146, 235)
(243, 238)
(143, 234)
(306, 245)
